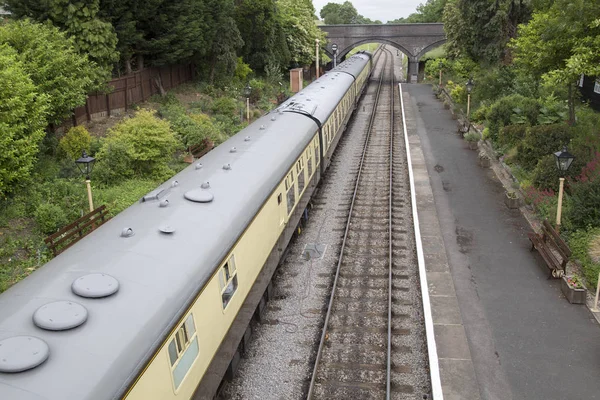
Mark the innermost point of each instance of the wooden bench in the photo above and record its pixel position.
(552, 248)
(201, 149)
(74, 232)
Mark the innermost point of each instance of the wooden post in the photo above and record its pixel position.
(87, 109)
(126, 94)
(107, 105)
(74, 118)
(141, 73)
(559, 208)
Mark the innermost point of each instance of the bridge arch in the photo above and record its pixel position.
(414, 40)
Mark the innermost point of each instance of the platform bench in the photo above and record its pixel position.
(552, 248)
(74, 232)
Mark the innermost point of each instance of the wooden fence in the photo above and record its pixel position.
(130, 89)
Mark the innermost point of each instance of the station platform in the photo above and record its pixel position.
(502, 329)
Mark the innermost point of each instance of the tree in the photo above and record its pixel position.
(53, 65)
(79, 18)
(224, 39)
(22, 122)
(561, 43)
(431, 11)
(338, 14)
(298, 21)
(481, 29)
(263, 35)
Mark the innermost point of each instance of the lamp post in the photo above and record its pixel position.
(317, 64)
(85, 165)
(247, 92)
(469, 85)
(564, 159)
(440, 65)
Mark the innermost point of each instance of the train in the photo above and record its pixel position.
(157, 302)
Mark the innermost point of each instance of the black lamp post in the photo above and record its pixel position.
(470, 84)
(564, 159)
(85, 165)
(247, 92)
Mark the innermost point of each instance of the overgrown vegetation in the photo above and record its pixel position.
(526, 59)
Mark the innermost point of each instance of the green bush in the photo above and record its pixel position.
(545, 174)
(49, 218)
(511, 135)
(139, 146)
(225, 106)
(511, 110)
(541, 141)
(75, 141)
(579, 243)
(259, 90)
(459, 94)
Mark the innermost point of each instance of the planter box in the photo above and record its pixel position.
(511, 202)
(485, 162)
(575, 296)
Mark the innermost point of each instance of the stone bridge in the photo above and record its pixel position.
(414, 40)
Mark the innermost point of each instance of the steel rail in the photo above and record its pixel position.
(391, 264)
(339, 264)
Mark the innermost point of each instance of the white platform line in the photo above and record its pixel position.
(434, 368)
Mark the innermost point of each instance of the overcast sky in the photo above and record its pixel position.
(382, 10)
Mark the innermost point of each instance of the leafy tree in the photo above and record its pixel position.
(262, 32)
(22, 120)
(337, 14)
(431, 11)
(481, 29)
(76, 140)
(53, 65)
(298, 21)
(561, 43)
(79, 18)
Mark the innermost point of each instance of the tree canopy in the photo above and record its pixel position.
(340, 14)
(22, 120)
(298, 22)
(50, 60)
(431, 11)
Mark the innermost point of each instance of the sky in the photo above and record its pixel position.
(382, 10)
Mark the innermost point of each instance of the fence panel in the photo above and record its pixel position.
(127, 90)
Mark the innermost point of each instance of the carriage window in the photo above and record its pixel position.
(228, 281)
(301, 178)
(291, 195)
(310, 169)
(183, 350)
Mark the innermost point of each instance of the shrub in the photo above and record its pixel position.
(225, 106)
(142, 145)
(258, 90)
(579, 243)
(49, 218)
(511, 110)
(459, 94)
(511, 135)
(541, 141)
(545, 173)
(76, 140)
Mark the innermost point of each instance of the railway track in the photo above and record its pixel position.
(373, 323)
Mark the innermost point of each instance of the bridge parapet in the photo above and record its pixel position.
(414, 40)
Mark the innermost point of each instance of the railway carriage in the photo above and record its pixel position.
(155, 303)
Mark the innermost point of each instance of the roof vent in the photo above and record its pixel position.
(308, 100)
(127, 232)
(154, 195)
(227, 167)
(199, 166)
(60, 316)
(205, 185)
(247, 139)
(233, 150)
(20, 353)
(322, 87)
(164, 203)
(262, 128)
(174, 183)
(273, 118)
(167, 229)
(199, 196)
(95, 286)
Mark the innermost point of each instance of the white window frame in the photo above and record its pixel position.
(183, 341)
